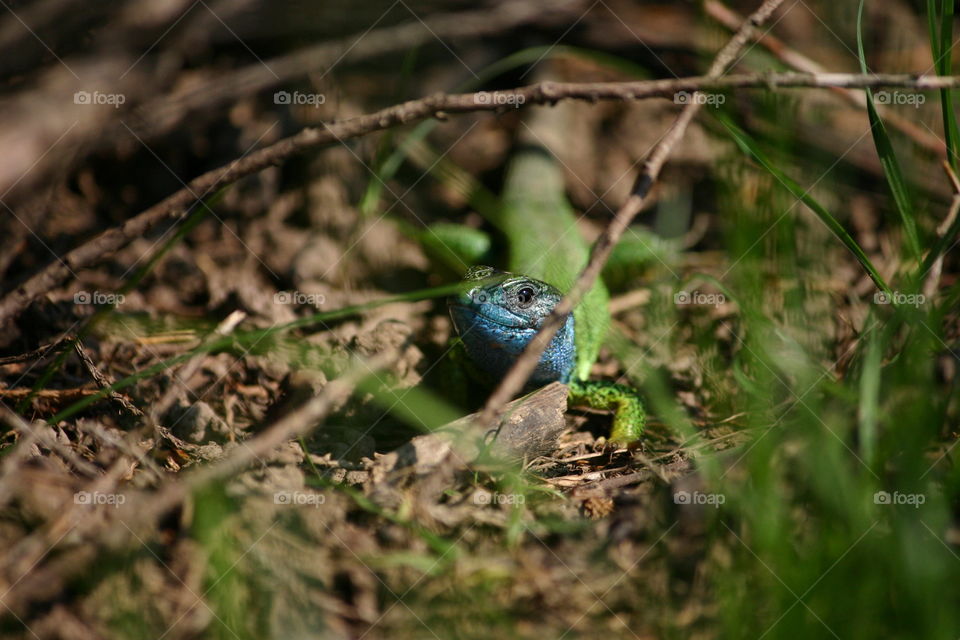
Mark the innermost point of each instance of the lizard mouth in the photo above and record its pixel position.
(507, 319)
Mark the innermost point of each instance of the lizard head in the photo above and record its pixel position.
(497, 313)
(503, 299)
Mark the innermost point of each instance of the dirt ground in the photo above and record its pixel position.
(246, 475)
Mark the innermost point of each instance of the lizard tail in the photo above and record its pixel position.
(629, 416)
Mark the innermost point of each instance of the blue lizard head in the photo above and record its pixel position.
(498, 313)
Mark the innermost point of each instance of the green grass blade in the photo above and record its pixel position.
(748, 146)
(870, 397)
(941, 48)
(388, 168)
(198, 215)
(370, 200)
(888, 158)
(943, 244)
(247, 340)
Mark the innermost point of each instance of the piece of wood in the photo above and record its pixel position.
(530, 427)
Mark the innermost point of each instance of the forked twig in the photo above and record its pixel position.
(513, 382)
(178, 205)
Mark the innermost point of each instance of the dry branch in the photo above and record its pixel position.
(523, 367)
(177, 205)
(533, 425)
(40, 352)
(84, 524)
(793, 58)
(103, 381)
(42, 432)
(164, 113)
(46, 126)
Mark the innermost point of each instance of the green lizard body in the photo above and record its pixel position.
(500, 314)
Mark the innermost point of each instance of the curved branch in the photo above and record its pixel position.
(521, 370)
(177, 205)
(162, 114)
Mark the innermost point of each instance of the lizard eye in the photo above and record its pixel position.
(525, 296)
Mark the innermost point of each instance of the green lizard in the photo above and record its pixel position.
(500, 313)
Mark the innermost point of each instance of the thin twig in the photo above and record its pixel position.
(42, 432)
(226, 327)
(103, 381)
(298, 422)
(160, 115)
(936, 269)
(513, 382)
(177, 206)
(793, 58)
(140, 455)
(39, 353)
(19, 393)
(75, 517)
(85, 523)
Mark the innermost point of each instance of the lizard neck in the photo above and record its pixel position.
(494, 348)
